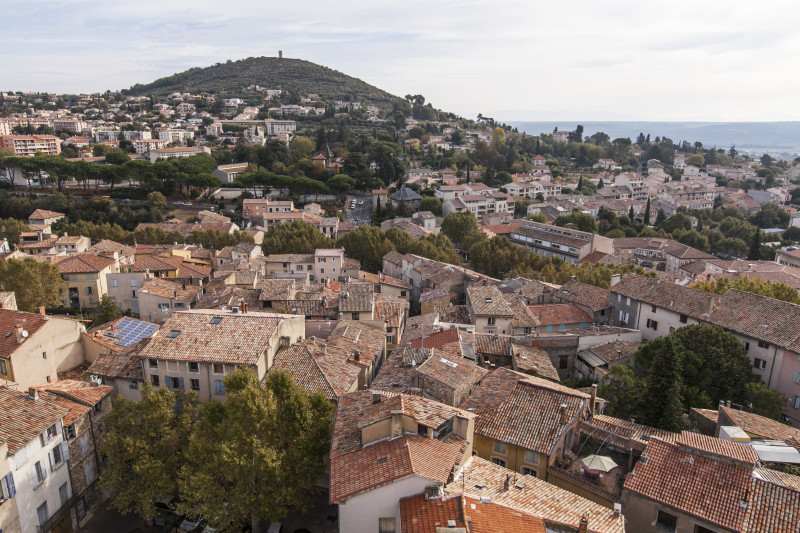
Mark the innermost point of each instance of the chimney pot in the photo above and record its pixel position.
(728, 403)
(562, 413)
(376, 397)
(40, 310)
(357, 355)
(33, 394)
(583, 526)
(594, 397)
(19, 330)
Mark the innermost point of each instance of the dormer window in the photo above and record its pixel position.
(383, 460)
(488, 300)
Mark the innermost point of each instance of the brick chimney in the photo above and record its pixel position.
(563, 416)
(376, 397)
(244, 306)
(33, 394)
(357, 356)
(594, 397)
(583, 525)
(40, 310)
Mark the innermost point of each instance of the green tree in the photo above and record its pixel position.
(10, 228)
(779, 291)
(620, 388)
(696, 160)
(146, 443)
(36, 284)
(755, 246)
(456, 226)
(578, 220)
(259, 453)
(368, 244)
(647, 212)
(341, 183)
(156, 201)
(297, 237)
(663, 407)
(301, 145)
(108, 310)
(432, 204)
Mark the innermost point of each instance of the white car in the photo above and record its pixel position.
(361, 202)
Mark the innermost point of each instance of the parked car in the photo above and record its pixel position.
(190, 524)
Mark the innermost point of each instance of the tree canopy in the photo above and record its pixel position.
(36, 284)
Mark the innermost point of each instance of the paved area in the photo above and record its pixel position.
(362, 212)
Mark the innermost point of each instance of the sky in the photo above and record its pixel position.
(697, 60)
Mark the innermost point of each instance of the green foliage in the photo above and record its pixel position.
(432, 204)
(108, 310)
(10, 228)
(456, 226)
(36, 284)
(663, 385)
(779, 291)
(297, 237)
(259, 453)
(157, 201)
(146, 443)
(578, 220)
(341, 183)
(762, 400)
(368, 244)
(621, 389)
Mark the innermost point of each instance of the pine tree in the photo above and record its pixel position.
(755, 246)
(600, 184)
(663, 406)
(630, 213)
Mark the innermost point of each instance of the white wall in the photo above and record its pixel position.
(30, 498)
(361, 513)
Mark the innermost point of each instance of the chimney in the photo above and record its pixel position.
(711, 305)
(40, 310)
(507, 483)
(244, 306)
(728, 403)
(594, 397)
(357, 356)
(397, 423)
(376, 397)
(583, 525)
(33, 394)
(563, 416)
(20, 331)
(615, 278)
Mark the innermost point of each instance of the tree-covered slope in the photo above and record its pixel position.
(297, 75)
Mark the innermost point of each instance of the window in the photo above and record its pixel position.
(219, 387)
(89, 472)
(563, 362)
(89, 291)
(627, 301)
(152, 363)
(7, 488)
(3, 367)
(526, 471)
(195, 383)
(133, 294)
(133, 385)
(193, 367)
(96, 408)
(173, 383)
(700, 529)
(747, 347)
(666, 521)
(500, 448)
(113, 282)
(63, 493)
(653, 309)
(164, 307)
(215, 320)
(218, 368)
(44, 355)
(762, 344)
(356, 316)
(154, 380)
(38, 473)
(652, 324)
(173, 334)
(761, 364)
(491, 321)
(51, 432)
(402, 294)
(69, 432)
(684, 319)
(42, 514)
(134, 283)
(498, 461)
(387, 525)
(84, 443)
(531, 457)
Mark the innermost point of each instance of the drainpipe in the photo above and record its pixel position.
(772, 366)
(208, 378)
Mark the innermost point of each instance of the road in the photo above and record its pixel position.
(362, 212)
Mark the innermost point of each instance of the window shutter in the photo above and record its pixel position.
(12, 490)
(34, 477)
(166, 381)
(52, 461)
(44, 472)
(65, 451)
(180, 383)
(795, 377)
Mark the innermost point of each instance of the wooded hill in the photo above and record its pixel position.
(233, 77)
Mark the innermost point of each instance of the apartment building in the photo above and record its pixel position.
(568, 244)
(30, 145)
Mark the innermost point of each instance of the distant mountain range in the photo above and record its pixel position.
(756, 137)
(232, 77)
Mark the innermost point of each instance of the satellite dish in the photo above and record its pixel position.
(25, 333)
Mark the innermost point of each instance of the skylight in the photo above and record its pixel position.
(174, 333)
(216, 320)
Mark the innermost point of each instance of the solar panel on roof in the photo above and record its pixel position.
(130, 331)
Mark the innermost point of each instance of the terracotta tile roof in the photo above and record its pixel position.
(394, 257)
(452, 372)
(419, 515)
(488, 301)
(670, 296)
(74, 409)
(107, 246)
(757, 316)
(560, 508)
(696, 442)
(81, 392)
(523, 410)
(315, 366)
(705, 487)
(760, 426)
(778, 478)
(453, 314)
(630, 430)
(84, 263)
(169, 289)
(529, 358)
(594, 257)
(438, 339)
(555, 314)
(614, 350)
(434, 294)
(9, 319)
(44, 243)
(239, 338)
(155, 263)
(229, 296)
(43, 214)
(396, 375)
(486, 344)
(118, 366)
(523, 318)
(356, 469)
(390, 309)
(772, 507)
(21, 420)
(355, 297)
(595, 298)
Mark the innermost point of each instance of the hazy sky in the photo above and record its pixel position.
(526, 60)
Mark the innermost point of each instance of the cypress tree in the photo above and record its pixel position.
(600, 184)
(663, 407)
(647, 212)
(755, 246)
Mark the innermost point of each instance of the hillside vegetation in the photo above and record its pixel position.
(297, 75)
